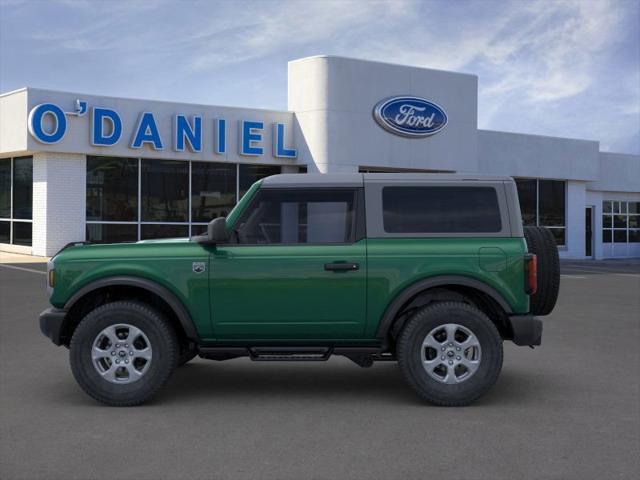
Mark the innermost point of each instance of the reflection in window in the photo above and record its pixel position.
(558, 234)
(164, 231)
(23, 188)
(112, 189)
(213, 190)
(5, 189)
(165, 187)
(620, 221)
(128, 199)
(551, 201)
(440, 210)
(198, 229)
(299, 216)
(543, 203)
(111, 233)
(22, 233)
(5, 231)
(527, 193)
(16, 200)
(619, 236)
(249, 174)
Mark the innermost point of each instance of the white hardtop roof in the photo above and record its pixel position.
(358, 179)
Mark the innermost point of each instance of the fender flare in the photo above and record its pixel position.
(174, 303)
(415, 288)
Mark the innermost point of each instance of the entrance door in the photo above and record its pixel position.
(297, 270)
(588, 232)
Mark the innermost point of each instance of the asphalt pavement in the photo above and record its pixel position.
(569, 409)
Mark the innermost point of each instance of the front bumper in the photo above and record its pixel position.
(51, 324)
(527, 330)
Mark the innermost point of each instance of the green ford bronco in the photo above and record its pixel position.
(431, 270)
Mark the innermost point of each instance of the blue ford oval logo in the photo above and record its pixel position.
(410, 116)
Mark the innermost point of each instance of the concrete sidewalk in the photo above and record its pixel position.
(8, 257)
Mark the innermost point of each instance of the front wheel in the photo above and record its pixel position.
(450, 353)
(187, 352)
(122, 353)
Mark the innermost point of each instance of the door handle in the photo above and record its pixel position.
(341, 267)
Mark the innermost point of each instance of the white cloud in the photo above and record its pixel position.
(293, 24)
(543, 66)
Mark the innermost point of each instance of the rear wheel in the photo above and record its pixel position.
(541, 242)
(122, 353)
(450, 353)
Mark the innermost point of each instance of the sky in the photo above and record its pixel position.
(567, 68)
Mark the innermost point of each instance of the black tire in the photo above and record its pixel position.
(410, 353)
(540, 241)
(188, 351)
(164, 347)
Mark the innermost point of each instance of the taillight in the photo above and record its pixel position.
(530, 274)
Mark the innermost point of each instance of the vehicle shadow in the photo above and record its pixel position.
(237, 379)
(383, 383)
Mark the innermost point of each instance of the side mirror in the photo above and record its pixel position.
(217, 230)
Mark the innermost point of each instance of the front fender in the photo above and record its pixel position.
(172, 300)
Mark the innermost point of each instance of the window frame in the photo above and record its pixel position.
(387, 222)
(618, 208)
(374, 208)
(189, 222)
(358, 228)
(11, 219)
(562, 246)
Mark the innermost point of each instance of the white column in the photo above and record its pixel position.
(59, 201)
(575, 234)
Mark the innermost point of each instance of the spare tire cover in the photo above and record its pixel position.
(541, 242)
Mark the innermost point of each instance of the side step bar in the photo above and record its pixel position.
(290, 354)
(362, 356)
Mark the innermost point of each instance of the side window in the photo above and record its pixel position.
(292, 216)
(440, 210)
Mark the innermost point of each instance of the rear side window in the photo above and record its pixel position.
(437, 209)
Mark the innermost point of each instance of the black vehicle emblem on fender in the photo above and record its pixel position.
(198, 267)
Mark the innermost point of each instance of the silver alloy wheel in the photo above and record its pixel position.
(121, 353)
(451, 353)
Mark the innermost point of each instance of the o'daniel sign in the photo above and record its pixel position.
(48, 123)
(408, 116)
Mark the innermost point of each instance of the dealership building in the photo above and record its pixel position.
(76, 167)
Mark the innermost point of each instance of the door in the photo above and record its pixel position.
(588, 231)
(297, 269)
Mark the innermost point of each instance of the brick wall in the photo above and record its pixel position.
(59, 198)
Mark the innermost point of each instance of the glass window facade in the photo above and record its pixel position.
(5, 188)
(213, 190)
(131, 199)
(165, 191)
(156, 230)
(16, 200)
(112, 232)
(543, 203)
(112, 189)
(249, 174)
(620, 222)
